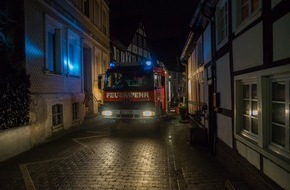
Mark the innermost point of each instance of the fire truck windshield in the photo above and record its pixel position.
(134, 80)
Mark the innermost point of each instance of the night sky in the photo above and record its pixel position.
(166, 22)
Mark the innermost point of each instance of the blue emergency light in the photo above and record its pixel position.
(112, 65)
(148, 63)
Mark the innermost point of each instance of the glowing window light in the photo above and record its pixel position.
(255, 112)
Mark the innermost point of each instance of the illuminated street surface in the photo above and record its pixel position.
(132, 158)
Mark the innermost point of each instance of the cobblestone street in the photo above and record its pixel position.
(132, 158)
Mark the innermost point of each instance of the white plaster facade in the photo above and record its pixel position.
(61, 87)
(250, 53)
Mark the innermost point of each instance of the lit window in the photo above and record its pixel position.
(250, 109)
(57, 115)
(247, 114)
(75, 110)
(262, 111)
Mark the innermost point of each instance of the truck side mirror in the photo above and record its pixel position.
(99, 81)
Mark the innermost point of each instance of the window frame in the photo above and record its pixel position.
(280, 149)
(264, 144)
(222, 8)
(97, 16)
(86, 8)
(57, 115)
(104, 24)
(76, 111)
(249, 133)
(238, 23)
(57, 29)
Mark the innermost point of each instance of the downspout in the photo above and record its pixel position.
(213, 131)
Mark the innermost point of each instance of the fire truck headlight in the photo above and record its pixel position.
(148, 113)
(107, 113)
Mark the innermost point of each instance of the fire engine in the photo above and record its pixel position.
(135, 92)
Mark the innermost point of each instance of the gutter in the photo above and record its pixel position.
(191, 40)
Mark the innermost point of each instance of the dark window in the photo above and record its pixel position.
(76, 109)
(57, 114)
(87, 8)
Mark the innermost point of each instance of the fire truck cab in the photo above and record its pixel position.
(135, 92)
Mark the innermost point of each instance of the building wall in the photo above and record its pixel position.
(281, 39)
(252, 62)
(192, 82)
(245, 55)
(223, 78)
(138, 49)
(49, 89)
(11, 147)
(251, 57)
(198, 78)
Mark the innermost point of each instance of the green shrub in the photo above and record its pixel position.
(14, 82)
(14, 100)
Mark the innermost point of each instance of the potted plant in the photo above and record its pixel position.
(183, 111)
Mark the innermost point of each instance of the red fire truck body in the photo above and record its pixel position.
(135, 92)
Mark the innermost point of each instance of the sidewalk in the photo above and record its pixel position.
(11, 176)
(201, 170)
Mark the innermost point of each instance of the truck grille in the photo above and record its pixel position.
(127, 115)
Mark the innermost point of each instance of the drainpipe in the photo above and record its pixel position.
(213, 127)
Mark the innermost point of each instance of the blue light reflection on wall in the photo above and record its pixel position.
(65, 65)
(207, 52)
(74, 57)
(32, 50)
(71, 64)
(207, 45)
(71, 68)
